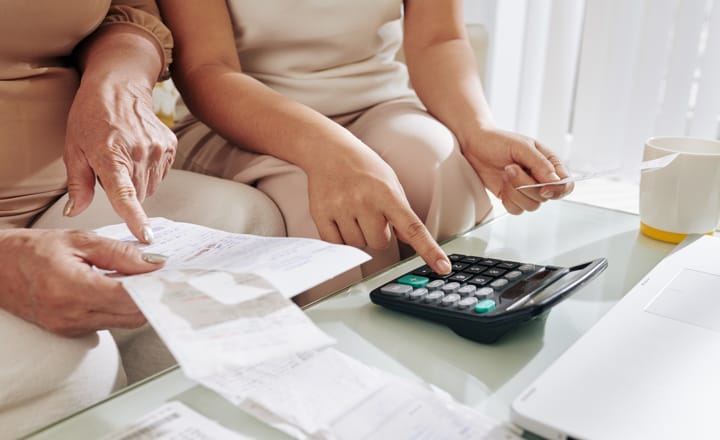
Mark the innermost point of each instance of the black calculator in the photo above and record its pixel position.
(483, 298)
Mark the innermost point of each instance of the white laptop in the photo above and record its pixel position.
(649, 369)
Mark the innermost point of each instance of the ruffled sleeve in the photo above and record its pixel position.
(144, 14)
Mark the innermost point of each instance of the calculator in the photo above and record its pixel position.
(483, 298)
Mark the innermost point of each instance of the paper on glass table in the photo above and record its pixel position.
(329, 395)
(174, 421)
(206, 336)
(648, 165)
(259, 264)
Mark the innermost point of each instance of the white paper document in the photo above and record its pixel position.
(288, 265)
(648, 165)
(174, 421)
(221, 300)
(329, 395)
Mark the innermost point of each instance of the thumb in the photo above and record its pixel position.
(81, 184)
(120, 256)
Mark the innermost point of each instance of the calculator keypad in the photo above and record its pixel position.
(475, 285)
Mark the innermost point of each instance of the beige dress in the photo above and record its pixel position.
(44, 376)
(338, 57)
(37, 85)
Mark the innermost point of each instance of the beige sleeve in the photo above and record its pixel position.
(144, 14)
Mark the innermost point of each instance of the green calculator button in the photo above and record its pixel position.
(414, 280)
(484, 306)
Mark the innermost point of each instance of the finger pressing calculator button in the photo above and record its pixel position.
(413, 280)
(395, 289)
(450, 300)
(484, 306)
(433, 297)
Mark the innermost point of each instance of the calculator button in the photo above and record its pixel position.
(433, 297)
(417, 294)
(461, 277)
(508, 265)
(395, 289)
(484, 292)
(527, 267)
(500, 282)
(423, 271)
(467, 290)
(435, 284)
(485, 306)
(455, 257)
(513, 274)
(471, 260)
(488, 262)
(467, 302)
(413, 280)
(450, 300)
(457, 267)
(476, 269)
(479, 280)
(450, 287)
(494, 272)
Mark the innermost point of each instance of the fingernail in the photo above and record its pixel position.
(443, 266)
(148, 234)
(547, 194)
(553, 176)
(151, 258)
(511, 170)
(68, 207)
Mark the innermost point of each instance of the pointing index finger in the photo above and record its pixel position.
(123, 198)
(412, 231)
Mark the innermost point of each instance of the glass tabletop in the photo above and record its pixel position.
(487, 377)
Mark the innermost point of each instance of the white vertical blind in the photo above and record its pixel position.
(593, 79)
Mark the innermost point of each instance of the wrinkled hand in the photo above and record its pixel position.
(113, 134)
(46, 277)
(505, 160)
(357, 203)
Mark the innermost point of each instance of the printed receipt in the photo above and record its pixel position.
(221, 301)
(329, 395)
(174, 421)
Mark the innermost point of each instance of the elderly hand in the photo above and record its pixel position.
(505, 160)
(357, 200)
(113, 134)
(47, 277)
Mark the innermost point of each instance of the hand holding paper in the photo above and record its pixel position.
(648, 165)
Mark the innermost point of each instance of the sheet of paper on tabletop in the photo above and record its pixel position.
(174, 421)
(648, 165)
(329, 395)
(206, 336)
(288, 265)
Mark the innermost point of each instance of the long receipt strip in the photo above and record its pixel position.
(648, 165)
(221, 306)
(328, 395)
(190, 304)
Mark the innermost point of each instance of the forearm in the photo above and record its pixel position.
(249, 114)
(120, 53)
(449, 86)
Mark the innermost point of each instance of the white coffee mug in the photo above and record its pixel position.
(683, 197)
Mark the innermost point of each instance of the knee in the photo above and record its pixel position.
(47, 376)
(216, 203)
